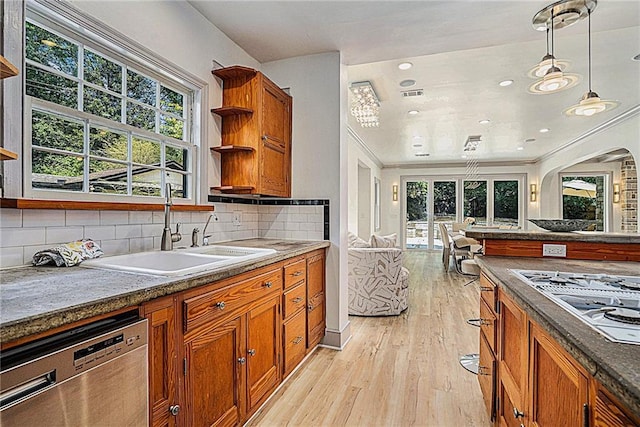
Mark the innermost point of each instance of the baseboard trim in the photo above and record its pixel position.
(337, 340)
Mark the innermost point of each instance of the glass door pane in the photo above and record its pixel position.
(417, 202)
(505, 203)
(444, 208)
(583, 198)
(475, 201)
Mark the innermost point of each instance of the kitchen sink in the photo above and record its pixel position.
(179, 262)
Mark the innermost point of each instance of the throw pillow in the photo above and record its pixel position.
(388, 241)
(356, 242)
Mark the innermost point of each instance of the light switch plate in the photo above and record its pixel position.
(559, 251)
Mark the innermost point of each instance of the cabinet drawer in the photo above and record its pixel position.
(488, 325)
(294, 338)
(315, 320)
(295, 273)
(216, 304)
(294, 300)
(488, 292)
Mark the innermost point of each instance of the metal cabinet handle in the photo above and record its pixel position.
(486, 288)
(296, 300)
(174, 409)
(242, 360)
(486, 322)
(297, 273)
(483, 370)
(267, 284)
(297, 340)
(265, 137)
(310, 307)
(252, 352)
(221, 305)
(517, 414)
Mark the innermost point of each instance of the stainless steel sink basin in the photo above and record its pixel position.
(179, 262)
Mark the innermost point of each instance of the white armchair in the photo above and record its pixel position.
(378, 283)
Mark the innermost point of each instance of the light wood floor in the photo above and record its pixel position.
(397, 370)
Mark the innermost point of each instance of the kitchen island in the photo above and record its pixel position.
(523, 314)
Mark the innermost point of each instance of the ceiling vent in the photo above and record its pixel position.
(422, 154)
(472, 142)
(412, 93)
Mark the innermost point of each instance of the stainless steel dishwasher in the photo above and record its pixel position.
(93, 375)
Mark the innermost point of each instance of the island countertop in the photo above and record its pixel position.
(38, 299)
(573, 236)
(615, 365)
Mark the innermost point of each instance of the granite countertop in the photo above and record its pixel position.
(574, 236)
(37, 299)
(615, 365)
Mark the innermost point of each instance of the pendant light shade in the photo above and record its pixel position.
(547, 62)
(590, 103)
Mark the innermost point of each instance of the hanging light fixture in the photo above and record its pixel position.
(365, 106)
(547, 62)
(590, 103)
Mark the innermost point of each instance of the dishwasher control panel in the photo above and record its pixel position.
(98, 350)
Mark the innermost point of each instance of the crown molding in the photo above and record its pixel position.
(364, 147)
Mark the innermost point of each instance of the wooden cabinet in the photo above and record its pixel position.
(164, 381)
(256, 134)
(294, 320)
(488, 339)
(316, 310)
(607, 412)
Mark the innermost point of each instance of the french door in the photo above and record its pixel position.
(493, 201)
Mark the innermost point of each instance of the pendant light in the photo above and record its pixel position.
(546, 62)
(590, 103)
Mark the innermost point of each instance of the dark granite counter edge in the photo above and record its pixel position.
(553, 236)
(11, 331)
(624, 390)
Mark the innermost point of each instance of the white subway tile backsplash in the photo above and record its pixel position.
(43, 217)
(151, 230)
(158, 217)
(115, 247)
(100, 232)
(114, 217)
(141, 245)
(181, 217)
(299, 235)
(128, 231)
(10, 218)
(11, 257)
(82, 218)
(140, 217)
(22, 236)
(56, 235)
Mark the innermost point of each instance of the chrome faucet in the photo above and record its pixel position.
(168, 238)
(205, 236)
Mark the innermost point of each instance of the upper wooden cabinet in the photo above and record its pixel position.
(256, 134)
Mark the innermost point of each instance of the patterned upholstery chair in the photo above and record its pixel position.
(378, 283)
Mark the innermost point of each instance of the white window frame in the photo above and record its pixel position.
(69, 22)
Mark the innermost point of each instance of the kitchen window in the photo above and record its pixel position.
(101, 125)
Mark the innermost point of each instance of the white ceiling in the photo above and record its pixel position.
(460, 51)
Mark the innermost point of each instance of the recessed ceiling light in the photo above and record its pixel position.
(405, 65)
(407, 83)
(544, 130)
(484, 121)
(520, 148)
(506, 83)
(413, 112)
(530, 140)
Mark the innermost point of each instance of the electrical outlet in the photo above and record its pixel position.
(237, 218)
(559, 251)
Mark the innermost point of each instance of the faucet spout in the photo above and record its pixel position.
(168, 238)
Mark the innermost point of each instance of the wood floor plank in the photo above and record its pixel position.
(396, 370)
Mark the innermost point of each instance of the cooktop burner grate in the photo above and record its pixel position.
(624, 315)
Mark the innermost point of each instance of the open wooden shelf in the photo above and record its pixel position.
(231, 111)
(236, 71)
(7, 155)
(232, 148)
(7, 69)
(97, 206)
(236, 189)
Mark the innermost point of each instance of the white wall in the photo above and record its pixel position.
(318, 88)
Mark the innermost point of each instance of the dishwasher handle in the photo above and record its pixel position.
(27, 388)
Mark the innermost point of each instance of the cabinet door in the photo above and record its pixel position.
(216, 362)
(294, 342)
(607, 413)
(512, 362)
(263, 351)
(163, 362)
(487, 376)
(563, 403)
(275, 141)
(316, 312)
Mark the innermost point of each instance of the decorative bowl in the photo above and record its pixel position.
(562, 224)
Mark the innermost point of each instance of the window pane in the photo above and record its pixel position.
(51, 50)
(176, 158)
(51, 87)
(106, 143)
(172, 127)
(583, 198)
(475, 201)
(444, 208)
(146, 181)
(141, 88)
(141, 117)
(107, 177)
(505, 203)
(178, 184)
(102, 72)
(102, 104)
(145, 151)
(417, 231)
(171, 101)
(53, 131)
(56, 171)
